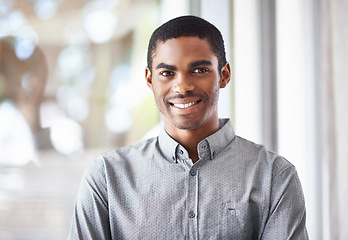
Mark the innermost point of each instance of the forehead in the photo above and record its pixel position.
(182, 50)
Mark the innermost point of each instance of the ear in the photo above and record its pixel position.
(148, 77)
(225, 75)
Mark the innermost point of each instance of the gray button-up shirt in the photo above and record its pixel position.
(152, 190)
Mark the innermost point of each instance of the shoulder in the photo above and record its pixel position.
(124, 158)
(261, 155)
(131, 151)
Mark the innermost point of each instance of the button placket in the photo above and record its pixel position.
(193, 172)
(192, 202)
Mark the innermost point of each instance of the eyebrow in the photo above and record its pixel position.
(167, 66)
(191, 65)
(199, 63)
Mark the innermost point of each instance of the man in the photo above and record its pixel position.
(23, 77)
(197, 179)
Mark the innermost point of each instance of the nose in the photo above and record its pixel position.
(183, 84)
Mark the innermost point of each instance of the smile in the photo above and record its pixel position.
(184, 105)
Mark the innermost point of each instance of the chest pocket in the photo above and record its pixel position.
(238, 221)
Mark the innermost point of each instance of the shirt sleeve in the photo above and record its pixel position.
(91, 217)
(287, 217)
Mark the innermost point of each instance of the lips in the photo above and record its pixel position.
(184, 105)
(183, 102)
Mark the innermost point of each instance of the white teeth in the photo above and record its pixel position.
(186, 105)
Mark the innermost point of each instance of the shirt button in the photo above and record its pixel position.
(192, 214)
(193, 173)
(173, 157)
(181, 152)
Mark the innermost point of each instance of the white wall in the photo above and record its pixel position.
(247, 70)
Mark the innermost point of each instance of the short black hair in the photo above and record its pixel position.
(188, 26)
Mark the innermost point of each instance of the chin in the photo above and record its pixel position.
(187, 125)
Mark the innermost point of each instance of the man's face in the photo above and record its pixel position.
(185, 81)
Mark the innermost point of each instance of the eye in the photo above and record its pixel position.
(201, 70)
(166, 73)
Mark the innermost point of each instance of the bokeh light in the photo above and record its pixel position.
(24, 48)
(78, 109)
(67, 137)
(118, 119)
(5, 6)
(70, 62)
(99, 21)
(27, 82)
(16, 140)
(45, 9)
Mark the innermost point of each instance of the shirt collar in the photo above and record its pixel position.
(168, 146)
(216, 142)
(219, 140)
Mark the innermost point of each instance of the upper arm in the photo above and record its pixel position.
(91, 215)
(287, 215)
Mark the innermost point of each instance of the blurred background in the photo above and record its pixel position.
(72, 86)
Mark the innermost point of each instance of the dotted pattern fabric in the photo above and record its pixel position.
(152, 190)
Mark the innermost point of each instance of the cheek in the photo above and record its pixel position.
(160, 90)
(158, 95)
(214, 93)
